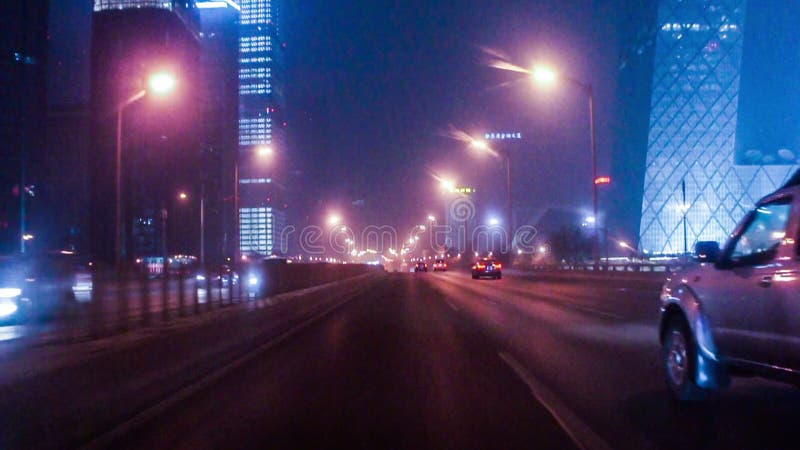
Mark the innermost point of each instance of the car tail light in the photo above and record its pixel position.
(498, 266)
(480, 266)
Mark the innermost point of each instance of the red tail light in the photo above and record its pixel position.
(498, 266)
(480, 266)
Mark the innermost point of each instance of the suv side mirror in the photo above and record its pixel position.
(706, 251)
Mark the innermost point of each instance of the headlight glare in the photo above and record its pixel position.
(10, 292)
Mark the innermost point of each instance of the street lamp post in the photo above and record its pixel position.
(118, 238)
(506, 157)
(159, 83)
(544, 75)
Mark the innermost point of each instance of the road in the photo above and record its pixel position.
(443, 361)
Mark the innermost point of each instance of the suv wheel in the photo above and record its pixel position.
(679, 355)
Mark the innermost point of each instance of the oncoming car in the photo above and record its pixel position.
(738, 310)
(487, 267)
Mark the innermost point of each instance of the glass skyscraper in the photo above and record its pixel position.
(260, 124)
(705, 88)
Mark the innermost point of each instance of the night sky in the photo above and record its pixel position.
(373, 85)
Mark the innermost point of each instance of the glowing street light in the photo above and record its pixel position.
(431, 218)
(624, 244)
(544, 75)
(494, 221)
(161, 83)
(264, 151)
(479, 144)
(334, 219)
(183, 196)
(448, 185)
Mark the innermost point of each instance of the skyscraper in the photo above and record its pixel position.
(719, 83)
(219, 39)
(261, 126)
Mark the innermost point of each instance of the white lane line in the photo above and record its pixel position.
(451, 305)
(576, 429)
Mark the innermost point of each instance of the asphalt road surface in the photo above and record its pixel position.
(442, 361)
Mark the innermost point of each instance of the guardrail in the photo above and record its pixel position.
(112, 302)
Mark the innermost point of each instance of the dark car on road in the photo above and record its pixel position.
(421, 267)
(440, 265)
(737, 310)
(487, 267)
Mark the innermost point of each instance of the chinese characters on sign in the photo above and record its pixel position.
(495, 136)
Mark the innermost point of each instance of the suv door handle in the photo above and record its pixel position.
(766, 281)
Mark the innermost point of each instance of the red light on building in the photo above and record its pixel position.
(602, 180)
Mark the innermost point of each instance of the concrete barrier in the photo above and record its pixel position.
(276, 276)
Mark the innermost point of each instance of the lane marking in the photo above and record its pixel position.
(451, 305)
(577, 430)
(105, 439)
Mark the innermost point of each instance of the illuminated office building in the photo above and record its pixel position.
(723, 117)
(261, 213)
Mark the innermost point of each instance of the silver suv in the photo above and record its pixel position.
(738, 310)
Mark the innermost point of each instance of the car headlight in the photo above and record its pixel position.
(10, 292)
(252, 280)
(200, 277)
(7, 308)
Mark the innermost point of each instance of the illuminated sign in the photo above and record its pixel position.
(502, 136)
(602, 180)
(463, 190)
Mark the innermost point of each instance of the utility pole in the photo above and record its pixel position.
(685, 210)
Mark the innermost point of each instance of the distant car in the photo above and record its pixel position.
(41, 285)
(737, 310)
(421, 267)
(439, 265)
(487, 267)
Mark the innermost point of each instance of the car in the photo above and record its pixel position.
(41, 285)
(736, 310)
(487, 267)
(440, 265)
(421, 267)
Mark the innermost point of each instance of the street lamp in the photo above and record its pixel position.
(546, 76)
(334, 219)
(265, 150)
(159, 83)
(504, 155)
(448, 185)
(184, 196)
(431, 218)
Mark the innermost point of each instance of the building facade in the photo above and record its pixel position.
(261, 128)
(708, 59)
(162, 137)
